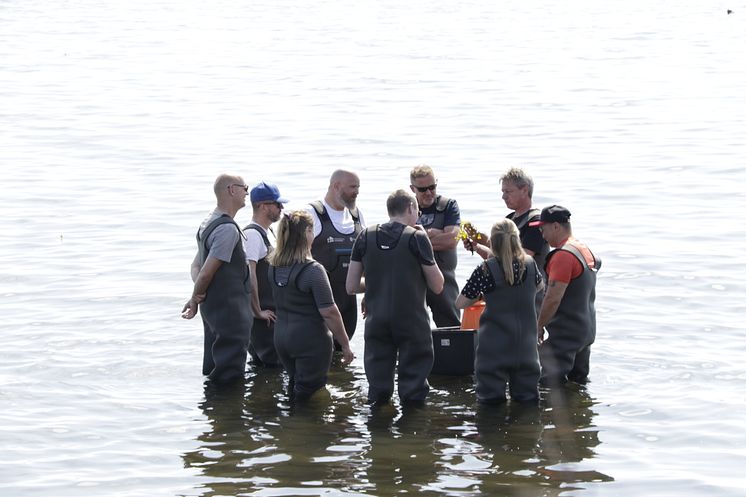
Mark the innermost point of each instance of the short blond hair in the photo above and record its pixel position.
(420, 171)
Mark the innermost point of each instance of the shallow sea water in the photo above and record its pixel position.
(116, 117)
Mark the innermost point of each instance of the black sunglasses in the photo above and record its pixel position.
(245, 187)
(423, 189)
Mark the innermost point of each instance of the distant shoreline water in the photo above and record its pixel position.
(116, 119)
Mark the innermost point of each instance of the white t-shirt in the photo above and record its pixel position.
(253, 244)
(342, 220)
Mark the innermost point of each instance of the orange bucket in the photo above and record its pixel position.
(470, 319)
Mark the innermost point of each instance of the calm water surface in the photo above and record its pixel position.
(115, 118)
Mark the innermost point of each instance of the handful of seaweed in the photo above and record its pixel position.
(469, 234)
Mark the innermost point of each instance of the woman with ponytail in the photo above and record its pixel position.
(507, 349)
(306, 311)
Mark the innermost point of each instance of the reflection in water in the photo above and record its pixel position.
(401, 455)
(259, 443)
(241, 440)
(569, 438)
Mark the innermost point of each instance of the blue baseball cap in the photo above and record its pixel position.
(266, 192)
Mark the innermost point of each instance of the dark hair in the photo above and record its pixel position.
(399, 201)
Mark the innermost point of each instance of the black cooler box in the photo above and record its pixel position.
(454, 351)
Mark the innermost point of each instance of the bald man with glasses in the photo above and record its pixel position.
(441, 218)
(222, 286)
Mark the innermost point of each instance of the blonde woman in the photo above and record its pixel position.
(507, 349)
(306, 311)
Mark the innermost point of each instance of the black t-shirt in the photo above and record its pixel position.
(531, 238)
(388, 235)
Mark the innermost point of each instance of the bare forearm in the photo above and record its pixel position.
(205, 276)
(255, 306)
(443, 239)
(463, 302)
(333, 321)
(551, 302)
(202, 280)
(355, 282)
(548, 310)
(201, 284)
(433, 278)
(483, 251)
(194, 268)
(356, 287)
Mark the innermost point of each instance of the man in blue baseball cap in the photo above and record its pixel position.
(266, 205)
(266, 192)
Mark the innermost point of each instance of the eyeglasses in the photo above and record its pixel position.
(423, 189)
(245, 187)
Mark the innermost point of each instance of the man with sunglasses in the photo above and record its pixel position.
(266, 205)
(222, 285)
(441, 218)
(336, 223)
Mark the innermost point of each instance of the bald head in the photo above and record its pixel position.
(342, 175)
(224, 182)
(343, 189)
(230, 191)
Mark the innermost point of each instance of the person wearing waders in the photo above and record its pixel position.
(441, 218)
(568, 310)
(266, 205)
(305, 308)
(222, 285)
(517, 192)
(506, 354)
(336, 223)
(394, 265)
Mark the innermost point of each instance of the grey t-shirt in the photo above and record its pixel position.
(312, 279)
(222, 240)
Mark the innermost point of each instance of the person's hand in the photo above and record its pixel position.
(190, 308)
(469, 244)
(363, 308)
(267, 315)
(541, 336)
(347, 355)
